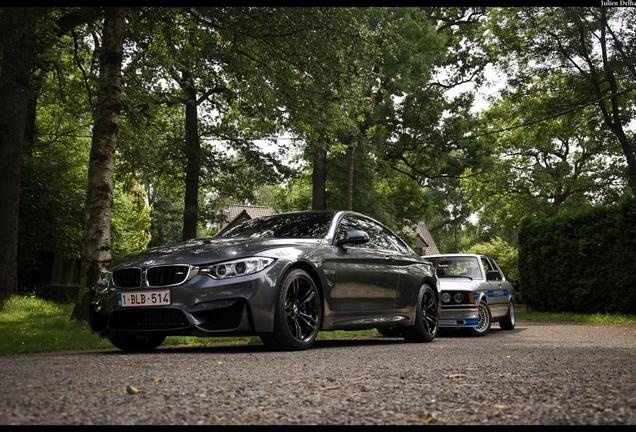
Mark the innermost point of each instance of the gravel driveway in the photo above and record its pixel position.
(538, 373)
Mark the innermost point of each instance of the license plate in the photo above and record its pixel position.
(144, 298)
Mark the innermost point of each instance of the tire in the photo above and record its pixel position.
(509, 321)
(389, 332)
(298, 313)
(426, 317)
(136, 343)
(485, 321)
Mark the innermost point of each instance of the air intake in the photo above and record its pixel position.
(148, 319)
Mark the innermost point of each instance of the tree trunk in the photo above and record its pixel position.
(19, 55)
(350, 163)
(319, 178)
(96, 249)
(630, 155)
(193, 155)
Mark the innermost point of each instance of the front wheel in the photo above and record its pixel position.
(485, 319)
(509, 321)
(298, 313)
(136, 343)
(426, 318)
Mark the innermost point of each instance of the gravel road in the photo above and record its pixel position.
(539, 373)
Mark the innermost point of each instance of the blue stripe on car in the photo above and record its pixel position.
(493, 293)
(468, 322)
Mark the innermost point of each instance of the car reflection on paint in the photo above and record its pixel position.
(283, 277)
(474, 293)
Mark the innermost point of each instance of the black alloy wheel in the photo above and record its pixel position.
(426, 318)
(298, 313)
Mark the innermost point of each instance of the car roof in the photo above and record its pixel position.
(453, 255)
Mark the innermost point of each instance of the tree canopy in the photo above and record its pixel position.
(311, 108)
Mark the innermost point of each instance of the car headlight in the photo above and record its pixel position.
(446, 297)
(240, 267)
(103, 281)
(458, 297)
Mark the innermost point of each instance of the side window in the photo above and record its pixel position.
(396, 243)
(383, 238)
(346, 224)
(379, 238)
(486, 264)
(376, 237)
(496, 267)
(489, 267)
(353, 223)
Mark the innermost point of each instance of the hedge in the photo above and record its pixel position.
(583, 262)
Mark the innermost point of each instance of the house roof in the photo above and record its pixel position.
(428, 247)
(233, 211)
(235, 214)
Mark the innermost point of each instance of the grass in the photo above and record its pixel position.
(31, 324)
(596, 318)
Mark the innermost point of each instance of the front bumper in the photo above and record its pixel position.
(459, 316)
(201, 306)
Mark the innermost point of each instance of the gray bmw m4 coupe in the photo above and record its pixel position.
(283, 277)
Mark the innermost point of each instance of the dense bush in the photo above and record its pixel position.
(583, 262)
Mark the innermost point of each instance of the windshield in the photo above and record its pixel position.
(457, 267)
(289, 225)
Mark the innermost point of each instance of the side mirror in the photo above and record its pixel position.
(353, 237)
(493, 275)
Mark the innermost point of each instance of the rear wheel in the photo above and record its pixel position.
(136, 343)
(485, 319)
(509, 321)
(298, 313)
(426, 318)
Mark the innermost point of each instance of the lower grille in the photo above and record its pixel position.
(148, 319)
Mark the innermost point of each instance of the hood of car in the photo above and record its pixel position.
(206, 251)
(457, 284)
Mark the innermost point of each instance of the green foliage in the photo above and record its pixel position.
(506, 255)
(130, 222)
(545, 168)
(580, 262)
(55, 167)
(167, 213)
(587, 51)
(296, 195)
(329, 77)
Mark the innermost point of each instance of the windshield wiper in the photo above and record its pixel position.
(455, 276)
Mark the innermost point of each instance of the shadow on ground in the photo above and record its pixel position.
(344, 343)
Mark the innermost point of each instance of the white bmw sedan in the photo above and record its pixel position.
(474, 293)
